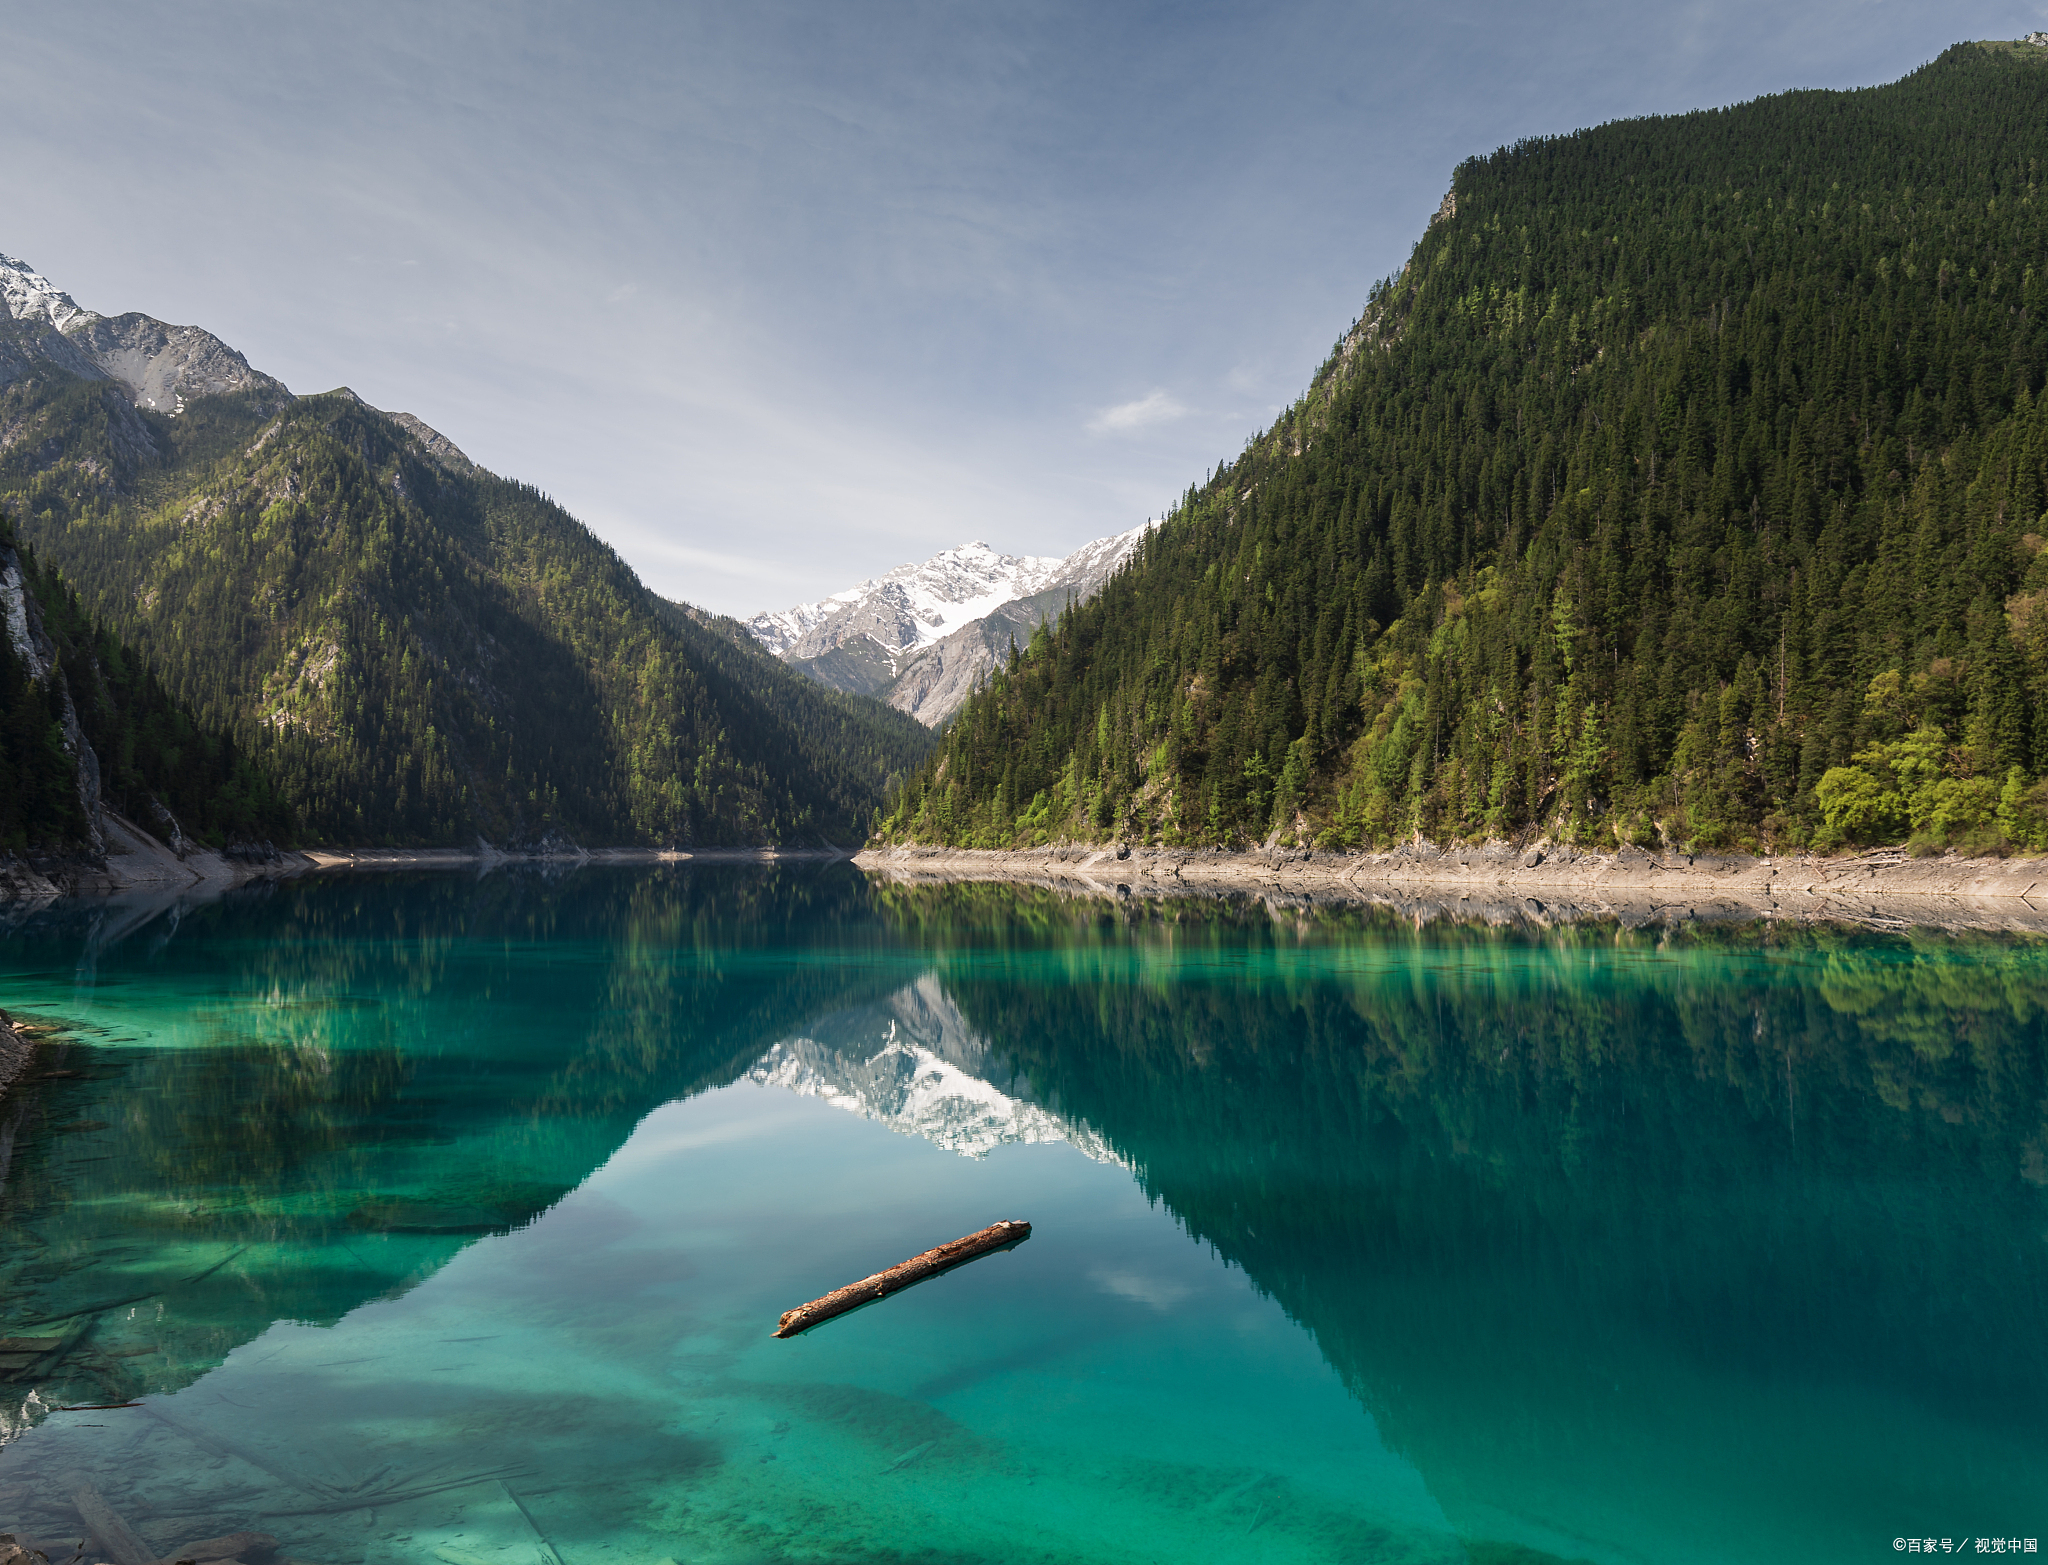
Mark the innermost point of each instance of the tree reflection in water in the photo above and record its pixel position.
(1543, 1195)
(1601, 1224)
(294, 1094)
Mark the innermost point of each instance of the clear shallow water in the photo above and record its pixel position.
(1355, 1241)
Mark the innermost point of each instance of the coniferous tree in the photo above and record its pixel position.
(1686, 486)
(153, 761)
(418, 650)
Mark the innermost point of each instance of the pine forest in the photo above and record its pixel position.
(1685, 488)
(416, 650)
(82, 718)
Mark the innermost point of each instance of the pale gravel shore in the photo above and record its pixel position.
(134, 860)
(1546, 882)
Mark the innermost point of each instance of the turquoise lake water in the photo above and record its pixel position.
(448, 1219)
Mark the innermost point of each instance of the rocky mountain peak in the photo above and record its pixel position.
(432, 441)
(163, 366)
(909, 607)
(158, 365)
(922, 636)
(30, 296)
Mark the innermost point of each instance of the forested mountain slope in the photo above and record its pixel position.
(1685, 486)
(85, 724)
(418, 650)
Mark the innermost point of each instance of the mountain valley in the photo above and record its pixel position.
(415, 650)
(1679, 493)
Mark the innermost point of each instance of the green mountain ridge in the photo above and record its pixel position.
(1686, 486)
(418, 650)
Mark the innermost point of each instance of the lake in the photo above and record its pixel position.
(441, 1218)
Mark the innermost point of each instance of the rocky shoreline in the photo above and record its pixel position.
(1546, 881)
(17, 1048)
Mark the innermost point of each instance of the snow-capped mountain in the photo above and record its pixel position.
(31, 296)
(912, 606)
(913, 1064)
(156, 364)
(925, 634)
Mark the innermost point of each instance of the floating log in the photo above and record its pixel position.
(997, 1236)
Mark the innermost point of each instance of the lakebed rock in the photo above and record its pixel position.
(15, 1053)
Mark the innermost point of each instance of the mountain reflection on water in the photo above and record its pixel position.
(342, 1082)
(913, 1063)
(1574, 1218)
(1634, 1244)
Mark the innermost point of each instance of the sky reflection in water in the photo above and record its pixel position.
(397, 1200)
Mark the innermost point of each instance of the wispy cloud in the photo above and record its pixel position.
(777, 296)
(1155, 407)
(650, 543)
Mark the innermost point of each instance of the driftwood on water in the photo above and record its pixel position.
(997, 1236)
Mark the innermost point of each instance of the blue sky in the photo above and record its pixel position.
(776, 296)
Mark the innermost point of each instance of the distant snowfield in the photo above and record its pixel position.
(881, 629)
(931, 599)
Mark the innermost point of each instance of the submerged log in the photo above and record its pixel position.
(549, 1554)
(401, 1495)
(997, 1236)
(218, 1444)
(237, 1548)
(109, 1530)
